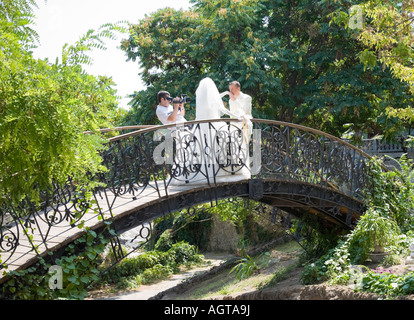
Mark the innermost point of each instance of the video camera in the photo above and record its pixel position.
(181, 99)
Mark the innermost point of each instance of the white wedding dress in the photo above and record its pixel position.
(214, 151)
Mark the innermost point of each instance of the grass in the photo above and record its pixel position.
(270, 272)
(289, 247)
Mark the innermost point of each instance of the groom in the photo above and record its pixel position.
(239, 101)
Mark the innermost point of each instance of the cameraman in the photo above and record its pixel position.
(168, 114)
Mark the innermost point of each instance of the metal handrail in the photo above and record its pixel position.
(136, 127)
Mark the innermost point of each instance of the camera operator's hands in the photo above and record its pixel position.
(182, 110)
(179, 107)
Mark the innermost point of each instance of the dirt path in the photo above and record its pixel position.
(145, 292)
(223, 285)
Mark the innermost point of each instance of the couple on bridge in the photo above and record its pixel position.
(209, 104)
(224, 145)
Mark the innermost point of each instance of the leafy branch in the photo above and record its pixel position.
(92, 39)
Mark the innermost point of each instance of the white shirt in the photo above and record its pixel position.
(242, 106)
(164, 112)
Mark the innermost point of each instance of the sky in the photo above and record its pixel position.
(65, 21)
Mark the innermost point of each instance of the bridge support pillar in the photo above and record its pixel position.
(256, 189)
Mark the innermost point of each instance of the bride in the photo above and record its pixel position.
(219, 150)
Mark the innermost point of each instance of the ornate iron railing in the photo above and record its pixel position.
(164, 161)
(213, 151)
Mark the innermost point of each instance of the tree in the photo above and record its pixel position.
(388, 37)
(44, 109)
(296, 64)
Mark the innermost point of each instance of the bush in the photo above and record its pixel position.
(385, 282)
(78, 270)
(157, 272)
(184, 253)
(245, 268)
(165, 241)
(313, 273)
(133, 266)
(152, 265)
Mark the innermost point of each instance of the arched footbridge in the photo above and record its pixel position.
(161, 169)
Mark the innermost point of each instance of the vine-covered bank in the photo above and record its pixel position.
(385, 228)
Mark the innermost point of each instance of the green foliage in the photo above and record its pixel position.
(387, 283)
(234, 211)
(313, 273)
(44, 109)
(78, 271)
(93, 39)
(296, 63)
(184, 253)
(372, 231)
(18, 14)
(387, 222)
(152, 265)
(27, 284)
(387, 39)
(393, 192)
(194, 226)
(317, 237)
(251, 226)
(245, 267)
(165, 241)
(190, 226)
(155, 273)
(81, 270)
(328, 266)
